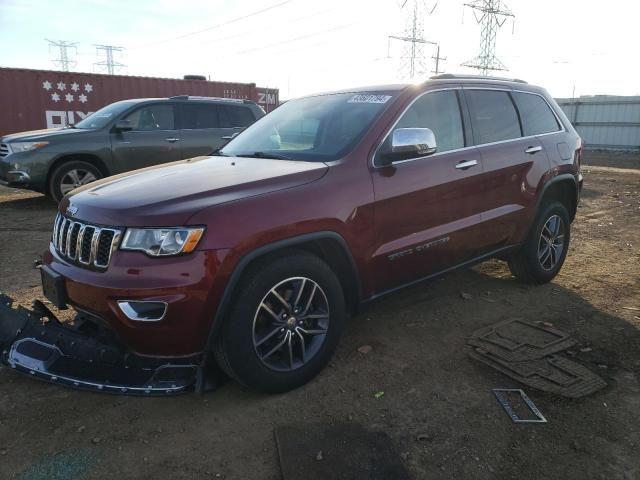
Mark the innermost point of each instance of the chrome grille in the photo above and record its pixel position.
(88, 245)
(4, 150)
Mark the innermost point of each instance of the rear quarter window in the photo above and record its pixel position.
(239, 116)
(493, 116)
(535, 114)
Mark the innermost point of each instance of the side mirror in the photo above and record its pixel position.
(410, 143)
(123, 125)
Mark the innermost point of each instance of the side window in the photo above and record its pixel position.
(440, 112)
(198, 116)
(224, 120)
(535, 113)
(239, 116)
(493, 116)
(152, 117)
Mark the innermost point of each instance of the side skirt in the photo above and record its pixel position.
(500, 252)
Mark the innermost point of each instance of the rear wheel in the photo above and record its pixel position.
(71, 175)
(284, 325)
(545, 249)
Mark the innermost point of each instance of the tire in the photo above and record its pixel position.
(251, 331)
(536, 262)
(69, 175)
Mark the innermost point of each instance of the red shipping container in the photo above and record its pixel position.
(35, 99)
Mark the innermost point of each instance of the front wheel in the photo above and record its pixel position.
(285, 323)
(545, 249)
(71, 175)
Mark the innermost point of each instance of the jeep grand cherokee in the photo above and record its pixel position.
(256, 257)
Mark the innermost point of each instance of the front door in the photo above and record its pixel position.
(153, 138)
(427, 209)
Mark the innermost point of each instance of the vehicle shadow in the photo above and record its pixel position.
(420, 333)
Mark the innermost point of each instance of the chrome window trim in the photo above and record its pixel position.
(470, 147)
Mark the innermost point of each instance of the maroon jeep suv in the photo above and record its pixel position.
(252, 259)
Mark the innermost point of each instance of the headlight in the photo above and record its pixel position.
(162, 241)
(17, 147)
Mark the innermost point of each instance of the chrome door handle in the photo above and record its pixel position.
(172, 139)
(466, 164)
(532, 150)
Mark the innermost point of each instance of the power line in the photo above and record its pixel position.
(491, 15)
(63, 61)
(302, 37)
(109, 62)
(212, 27)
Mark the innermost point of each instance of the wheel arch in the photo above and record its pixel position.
(329, 246)
(563, 188)
(94, 160)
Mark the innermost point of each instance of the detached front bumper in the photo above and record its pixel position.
(35, 343)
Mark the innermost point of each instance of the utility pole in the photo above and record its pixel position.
(413, 37)
(491, 15)
(109, 62)
(437, 58)
(63, 61)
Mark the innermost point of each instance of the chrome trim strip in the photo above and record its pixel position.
(94, 245)
(125, 306)
(470, 147)
(68, 243)
(88, 260)
(115, 241)
(54, 237)
(79, 241)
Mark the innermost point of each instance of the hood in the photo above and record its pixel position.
(37, 135)
(170, 194)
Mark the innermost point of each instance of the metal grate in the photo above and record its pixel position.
(4, 150)
(85, 244)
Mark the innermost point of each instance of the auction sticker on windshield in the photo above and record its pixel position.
(369, 99)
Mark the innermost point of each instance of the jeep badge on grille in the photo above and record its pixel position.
(72, 210)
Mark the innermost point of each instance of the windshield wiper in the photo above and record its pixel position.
(274, 156)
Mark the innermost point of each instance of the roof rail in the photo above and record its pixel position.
(195, 97)
(450, 76)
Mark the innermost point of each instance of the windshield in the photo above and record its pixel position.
(103, 116)
(320, 128)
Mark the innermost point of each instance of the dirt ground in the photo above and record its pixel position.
(437, 406)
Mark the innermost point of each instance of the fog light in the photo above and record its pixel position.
(143, 311)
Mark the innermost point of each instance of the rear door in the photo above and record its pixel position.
(153, 138)
(513, 161)
(427, 209)
(207, 126)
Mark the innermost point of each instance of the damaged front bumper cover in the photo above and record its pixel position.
(35, 343)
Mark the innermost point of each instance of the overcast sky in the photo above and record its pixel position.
(303, 46)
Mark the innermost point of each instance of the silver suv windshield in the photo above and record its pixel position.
(103, 116)
(320, 128)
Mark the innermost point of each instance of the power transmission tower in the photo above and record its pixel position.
(491, 15)
(414, 37)
(437, 58)
(63, 61)
(109, 62)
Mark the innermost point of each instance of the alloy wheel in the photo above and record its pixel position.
(75, 178)
(551, 243)
(290, 324)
